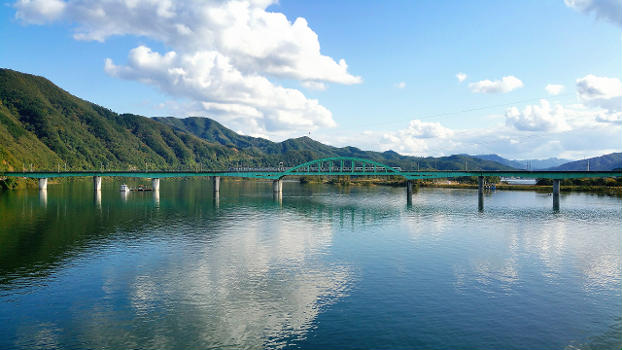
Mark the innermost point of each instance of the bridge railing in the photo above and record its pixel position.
(343, 165)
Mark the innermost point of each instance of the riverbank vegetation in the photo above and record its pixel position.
(599, 185)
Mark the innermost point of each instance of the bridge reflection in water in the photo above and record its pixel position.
(334, 166)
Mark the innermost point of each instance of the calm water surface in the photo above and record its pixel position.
(326, 267)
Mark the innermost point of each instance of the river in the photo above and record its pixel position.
(325, 267)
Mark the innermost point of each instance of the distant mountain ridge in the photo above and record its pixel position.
(45, 128)
(605, 162)
(532, 164)
(304, 148)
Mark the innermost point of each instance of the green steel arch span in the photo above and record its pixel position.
(332, 166)
(343, 166)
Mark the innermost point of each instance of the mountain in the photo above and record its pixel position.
(501, 160)
(539, 164)
(298, 150)
(45, 127)
(607, 162)
(534, 164)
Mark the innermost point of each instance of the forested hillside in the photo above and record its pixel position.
(43, 125)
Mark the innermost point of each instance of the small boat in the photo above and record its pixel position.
(142, 188)
(125, 188)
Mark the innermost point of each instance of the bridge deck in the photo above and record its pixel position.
(428, 174)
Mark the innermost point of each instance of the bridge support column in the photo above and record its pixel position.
(277, 191)
(155, 184)
(409, 191)
(480, 193)
(556, 194)
(97, 183)
(43, 198)
(277, 186)
(43, 184)
(216, 184)
(216, 199)
(98, 199)
(156, 198)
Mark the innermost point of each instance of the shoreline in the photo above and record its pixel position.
(609, 190)
(21, 183)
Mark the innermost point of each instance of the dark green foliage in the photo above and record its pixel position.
(42, 125)
(583, 182)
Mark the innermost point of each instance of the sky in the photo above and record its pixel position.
(523, 79)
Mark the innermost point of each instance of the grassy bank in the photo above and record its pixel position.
(398, 181)
(614, 190)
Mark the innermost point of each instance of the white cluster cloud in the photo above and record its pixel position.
(208, 76)
(607, 9)
(543, 117)
(534, 131)
(461, 77)
(613, 118)
(400, 85)
(554, 89)
(413, 139)
(600, 92)
(39, 11)
(314, 85)
(506, 84)
(222, 54)
(426, 130)
(590, 139)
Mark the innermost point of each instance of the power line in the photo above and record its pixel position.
(467, 110)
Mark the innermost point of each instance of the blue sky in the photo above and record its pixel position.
(255, 66)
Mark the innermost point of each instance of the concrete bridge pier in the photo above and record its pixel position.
(155, 184)
(277, 191)
(43, 184)
(480, 193)
(156, 199)
(216, 181)
(43, 198)
(277, 187)
(409, 191)
(556, 194)
(97, 183)
(98, 199)
(277, 197)
(216, 199)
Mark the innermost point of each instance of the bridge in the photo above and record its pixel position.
(334, 166)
